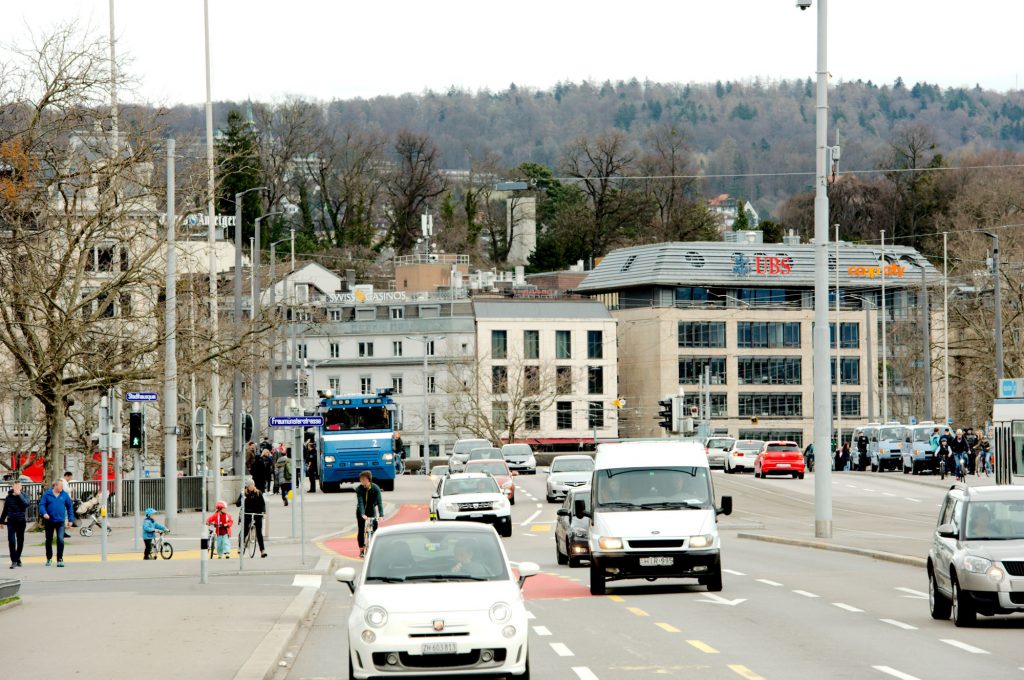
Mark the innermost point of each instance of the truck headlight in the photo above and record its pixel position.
(977, 565)
(702, 541)
(328, 459)
(609, 543)
(388, 457)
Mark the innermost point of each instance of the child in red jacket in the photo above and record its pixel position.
(221, 522)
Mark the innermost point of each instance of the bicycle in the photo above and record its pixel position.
(368, 531)
(161, 547)
(247, 537)
(942, 468)
(399, 466)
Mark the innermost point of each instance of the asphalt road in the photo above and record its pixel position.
(785, 612)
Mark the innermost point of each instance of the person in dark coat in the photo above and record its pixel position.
(862, 452)
(262, 470)
(309, 457)
(255, 511)
(13, 516)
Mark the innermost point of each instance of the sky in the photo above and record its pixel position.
(337, 49)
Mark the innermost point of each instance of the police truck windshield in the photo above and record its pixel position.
(346, 419)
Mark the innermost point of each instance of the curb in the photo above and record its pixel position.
(821, 545)
(262, 664)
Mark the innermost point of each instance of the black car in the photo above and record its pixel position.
(572, 537)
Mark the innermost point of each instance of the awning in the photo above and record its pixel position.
(556, 441)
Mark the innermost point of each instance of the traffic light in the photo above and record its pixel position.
(135, 430)
(665, 416)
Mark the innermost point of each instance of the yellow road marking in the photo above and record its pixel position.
(702, 646)
(616, 598)
(745, 672)
(637, 611)
(667, 627)
(540, 528)
(121, 557)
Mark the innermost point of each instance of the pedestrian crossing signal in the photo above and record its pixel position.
(135, 431)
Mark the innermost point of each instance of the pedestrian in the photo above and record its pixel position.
(838, 455)
(260, 470)
(845, 457)
(149, 528)
(250, 455)
(985, 453)
(13, 516)
(221, 522)
(57, 512)
(255, 510)
(862, 452)
(369, 504)
(283, 474)
(309, 457)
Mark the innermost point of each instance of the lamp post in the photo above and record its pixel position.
(256, 306)
(839, 373)
(272, 365)
(945, 319)
(885, 346)
(426, 399)
(997, 301)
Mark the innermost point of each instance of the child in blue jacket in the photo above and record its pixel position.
(149, 528)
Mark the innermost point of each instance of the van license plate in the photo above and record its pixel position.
(439, 648)
(657, 561)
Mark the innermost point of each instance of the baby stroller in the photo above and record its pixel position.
(90, 509)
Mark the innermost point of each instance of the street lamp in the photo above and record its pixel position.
(997, 301)
(272, 365)
(256, 306)
(426, 399)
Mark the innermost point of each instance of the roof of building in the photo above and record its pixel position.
(713, 263)
(540, 309)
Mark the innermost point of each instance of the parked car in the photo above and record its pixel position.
(437, 598)
(437, 472)
(572, 535)
(502, 475)
(780, 458)
(717, 448)
(520, 458)
(742, 454)
(568, 472)
(976, 562)
(474, 498)
(460, 452)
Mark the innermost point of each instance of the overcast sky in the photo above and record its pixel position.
(325, 49)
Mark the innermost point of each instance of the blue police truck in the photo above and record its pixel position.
(357, 434)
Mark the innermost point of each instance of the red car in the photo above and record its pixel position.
(779, 458)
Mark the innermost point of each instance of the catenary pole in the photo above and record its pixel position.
(839, 344)
(926, 345)
(945, 320)
(214, 416)
(170, 419)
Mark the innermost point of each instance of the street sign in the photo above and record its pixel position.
(1011, 388)
(147, 473)
(140, 396)
(296, 421)
(913, 420)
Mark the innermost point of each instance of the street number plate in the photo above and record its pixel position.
(439, 648)
(657, 561)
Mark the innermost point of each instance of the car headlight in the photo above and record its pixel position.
(328, 459)
(532, 462)
(609, 543)
(500, 612)
(702, 541)
(977, 565)
(376, 616)
(451, 507)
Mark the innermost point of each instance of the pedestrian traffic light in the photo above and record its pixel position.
(135, 432)
(665, 415)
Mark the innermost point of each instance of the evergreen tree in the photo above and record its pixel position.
(238, 169)
(742, 222)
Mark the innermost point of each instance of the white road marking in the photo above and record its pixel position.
(540, 505)
(584, 673)
(847, 607)
(529, 519)
(541, 631)
(718, 599)
(966, 647)
(916, 593)
(307, 580)
(898, 624)
(871, 490)
(851, 486)
(529, 615)
(733, 572)
(560, 649)
(912, 500)
(886, 493)
(805, 593)
(768, 583)
(895, 673)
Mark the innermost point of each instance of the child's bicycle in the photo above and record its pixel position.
(161, 547)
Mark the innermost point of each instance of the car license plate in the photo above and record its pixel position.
(657, 561)
(783, 465)
(439, 648)
(476, 515)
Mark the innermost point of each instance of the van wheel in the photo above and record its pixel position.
(559, 557)
(597, 582)
(964, 614)
(714, 582)
(938, 604)
(386, 485)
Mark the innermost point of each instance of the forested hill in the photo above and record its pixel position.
(733, 127)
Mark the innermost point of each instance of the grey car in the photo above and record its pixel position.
(718, 449)
(976, 562)
(568, 472)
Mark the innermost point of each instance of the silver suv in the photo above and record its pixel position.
(976, 562)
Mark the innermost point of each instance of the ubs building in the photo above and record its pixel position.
(741, 314)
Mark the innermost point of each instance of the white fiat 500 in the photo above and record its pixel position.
(437, 600)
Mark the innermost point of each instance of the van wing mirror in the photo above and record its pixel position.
(726, 508)
(580, 509)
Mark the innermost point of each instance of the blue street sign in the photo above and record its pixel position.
(296, 421)
(140, 396)
(147, 473)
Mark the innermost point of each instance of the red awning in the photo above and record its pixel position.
(555, 442)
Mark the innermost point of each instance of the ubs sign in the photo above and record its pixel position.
(762, 265)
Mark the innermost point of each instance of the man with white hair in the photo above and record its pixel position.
(57, 512)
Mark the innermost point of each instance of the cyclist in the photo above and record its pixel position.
(255, 509)
(149, 528)
(369, 506)
(960, 451)
(944, 456)
(221, 522)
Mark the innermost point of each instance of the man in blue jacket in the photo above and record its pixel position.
(13, 515)
(57, 512)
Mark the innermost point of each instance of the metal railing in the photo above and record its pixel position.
(151, 494)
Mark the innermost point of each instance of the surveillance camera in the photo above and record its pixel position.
(803, 4)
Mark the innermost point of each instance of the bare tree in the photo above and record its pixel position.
(413, 182)
(668, 168)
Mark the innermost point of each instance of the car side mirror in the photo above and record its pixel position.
(347, 575)
(947, 531)
(526, 570)
(563, 512)
(580, 509)
(726, 508)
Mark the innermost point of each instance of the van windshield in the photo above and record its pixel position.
(652, 488)
(366, 418)
(922, 434)
(891, 434)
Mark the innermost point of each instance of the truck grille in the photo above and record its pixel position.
(657, 543)
(484, 505)
(1014, 568)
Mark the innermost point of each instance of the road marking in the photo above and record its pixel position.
(616, 598)
(307, 580)
(718, 599)
(530, 615)
(540, 528)
(915, 593)
(895, 673)
(704, 647)
(804, 593)
(769, 583)
(847, 607)
(898, 624)
(560, 649)
(869, 490)
(851, 486)
(584, 673)
(541, 631)
(667, 627)
(886, 493)
(529, 519)
(734, 573)
(744, 672)
(637, 611)
(966, 647)
(540, 505)
(912, 500)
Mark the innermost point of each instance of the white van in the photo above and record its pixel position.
(653, 514)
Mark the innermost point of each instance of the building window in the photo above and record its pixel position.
(365, 385)
(499, 344)
(430, 348)
(366, 349)
(431, 385)
(334, 384)
(396, 348)
(850, 366)
(702, 334)
(718, 404)
(396, 384)
(563, 344)
(774, 435)
(334, 315)
(849, 335)
(685, 295)
(531, 416)
(301, 388)
(432, 421)
(851, 405)
(595, 379)
(563, 380)
(335, 350)
(499, 415)
(366, 313)
(595, 414)
(499, 379)
(398, 312)
(771, 405)
(126, 304)
(768, 334)
(595, 345)
(303, 350)
(563, 415)
(531, 344)
(24, 413)
(692, 368)
(303, 315)
(768, 371)
(531, 379)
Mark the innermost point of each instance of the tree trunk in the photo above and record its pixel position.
(55, 438)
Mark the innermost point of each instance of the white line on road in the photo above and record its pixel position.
(915, 593)
(804, 593)
(966, 647)
(307, 580)
(540, 505)
(898, 624)
(895, 673)
(912, 500)
(560, 649)
(769, 583)
(541, 631)
(584, 673)
(733, 572)
(530, 615)
(529, 519)
(886, 493)
(851, 486)
(871, 490)
(847, 607)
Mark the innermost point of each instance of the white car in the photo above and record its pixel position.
(717, 448)
(472, 497)
(568, 472)
(520, 458)
(742, 455)
(461, 451)
(437, 600)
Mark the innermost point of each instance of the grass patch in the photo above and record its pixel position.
(8, 600)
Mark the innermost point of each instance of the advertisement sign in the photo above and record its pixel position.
(874, 271)
(762, 265)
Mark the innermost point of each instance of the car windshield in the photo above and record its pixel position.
(439, 470)
(494, 467)
(516, 450)
(994, 521)
(720, 443)
(922, 434)
(368, 418)
(749, 444)
(639, 488)
(892, 434)
(485, 454)
(788, 448)
(456, 487)
(576, 465)
(436, 556)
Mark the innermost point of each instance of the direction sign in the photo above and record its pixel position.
(296, 421)
(140, 396)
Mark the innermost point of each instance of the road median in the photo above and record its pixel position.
(834, 547)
